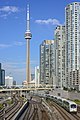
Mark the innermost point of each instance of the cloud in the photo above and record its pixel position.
(9, 9)
(4, 16)
(48, 21)
(19, 43)
(5, 45)
(16, 43)
(5, 11)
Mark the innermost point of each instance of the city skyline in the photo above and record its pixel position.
(13, 26)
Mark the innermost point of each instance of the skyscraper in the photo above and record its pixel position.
(72, 20)
(2, 76)
(0, 66)
(45, 62)
(28, 36)
(37, 76)
(9, 81)
(59, 44)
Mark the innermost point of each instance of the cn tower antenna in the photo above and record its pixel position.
(28, 18)
(28, 36)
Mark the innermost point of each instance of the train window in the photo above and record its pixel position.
(73, 106)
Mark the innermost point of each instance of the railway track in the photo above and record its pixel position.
(35, 115)
(44, 114)
(8, 109)
(78, 109)
(65, 115)
(31, 113)
(14, 110)
(27, 113)
(11, 111)
(1, 112)
(35, 111)
(38, 111)
(76, 116)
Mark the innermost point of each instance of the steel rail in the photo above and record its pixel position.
(63, 113)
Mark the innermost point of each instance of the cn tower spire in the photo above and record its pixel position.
(28, 36)
(28, 23)
(28, 18)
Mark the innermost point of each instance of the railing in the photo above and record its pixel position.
(26, 87)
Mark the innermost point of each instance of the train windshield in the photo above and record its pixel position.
(73, 106)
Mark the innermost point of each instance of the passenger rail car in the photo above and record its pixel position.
(70, 106)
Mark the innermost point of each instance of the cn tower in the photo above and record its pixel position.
(28, 36)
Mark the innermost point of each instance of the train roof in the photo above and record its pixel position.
(70, 102)
(59, 97)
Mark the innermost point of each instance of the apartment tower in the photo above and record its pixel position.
(59, 44)
(72, 49)
(46, 62)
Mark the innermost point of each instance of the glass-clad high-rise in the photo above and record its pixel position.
(2, 76)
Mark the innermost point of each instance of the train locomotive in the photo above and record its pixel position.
(69, 105)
